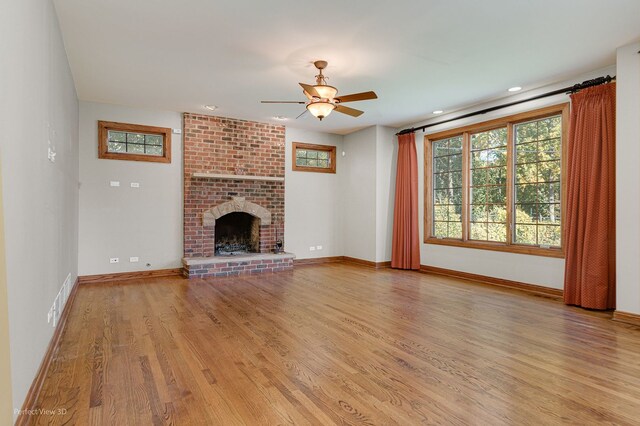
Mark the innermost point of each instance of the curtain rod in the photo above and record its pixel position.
(571, 89)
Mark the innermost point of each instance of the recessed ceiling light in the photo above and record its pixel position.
(280, 118)
(211, 107)
(515, 88)
(438, 111)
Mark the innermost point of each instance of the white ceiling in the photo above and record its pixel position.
(418, 55)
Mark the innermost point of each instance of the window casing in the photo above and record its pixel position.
(313, 158)
(510, 191)
(122, 141)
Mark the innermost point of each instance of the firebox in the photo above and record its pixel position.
(237, 233)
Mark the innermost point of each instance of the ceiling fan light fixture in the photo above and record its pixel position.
(320, 109)
(326, 92)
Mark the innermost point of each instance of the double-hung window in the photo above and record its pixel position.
(499, 185)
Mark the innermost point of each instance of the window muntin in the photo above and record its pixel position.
(447, 188)
(488, 185)
(134, 143)
(500, 156)
(313, 158)
(538, 164)
(124, 141)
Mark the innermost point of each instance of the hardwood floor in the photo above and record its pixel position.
(337, 344)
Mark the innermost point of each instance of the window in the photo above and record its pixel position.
(488, 185)
(447, 193)
(538, 162)
(314, 158)
(120, 141)
(498, 185)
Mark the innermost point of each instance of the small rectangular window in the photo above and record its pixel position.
(313, 158)
(120, 141)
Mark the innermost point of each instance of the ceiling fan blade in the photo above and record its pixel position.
(349, 111)
(357, 97)
(302, 113)
(310, 90)
(282, 102)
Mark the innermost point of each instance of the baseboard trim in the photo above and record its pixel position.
(318, 260)
(341, 259)
(36, 386)
(121, 276)
(484, 279)
(626, 317)
(376, 265)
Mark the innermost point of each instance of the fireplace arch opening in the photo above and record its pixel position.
(237, 233)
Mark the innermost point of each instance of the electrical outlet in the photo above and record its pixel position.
(134, 259)
(318, 247)
(114, 183)
(312, 248)
(114, 260)
(177, 131)
(135, 185)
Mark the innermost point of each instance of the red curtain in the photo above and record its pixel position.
(405, 252)
(590, 274)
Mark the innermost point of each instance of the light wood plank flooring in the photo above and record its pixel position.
(337, 344)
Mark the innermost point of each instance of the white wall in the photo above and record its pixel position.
(386, 162)
(359, 194)
(544, 271)
(313, 214)
(628, 179)
(38, 106)
(124, 222)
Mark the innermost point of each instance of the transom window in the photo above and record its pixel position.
(120, 141)
(314, 158)
(498, 185)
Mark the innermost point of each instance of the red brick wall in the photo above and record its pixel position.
(232, 147)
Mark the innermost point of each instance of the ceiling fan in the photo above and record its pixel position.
(322, 98)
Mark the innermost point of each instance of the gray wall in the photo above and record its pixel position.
(359, 194)
(313, 215)
(124, 222)
(38, 108)
(386, 165)
(628, 179)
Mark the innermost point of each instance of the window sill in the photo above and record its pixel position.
(533, 251)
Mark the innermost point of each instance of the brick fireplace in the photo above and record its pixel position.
(233, 172)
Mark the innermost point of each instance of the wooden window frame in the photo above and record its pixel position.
(326, 148)
(509, 122)
(103, 149)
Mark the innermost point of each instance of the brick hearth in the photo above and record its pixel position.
(227, 266)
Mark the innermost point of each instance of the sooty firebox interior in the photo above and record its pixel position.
(237, 233)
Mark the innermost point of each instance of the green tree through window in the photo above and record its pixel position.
(488, 185)
(538, 148)
(499, 184)
(447, 184)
